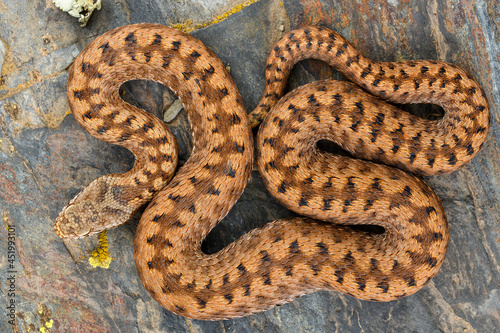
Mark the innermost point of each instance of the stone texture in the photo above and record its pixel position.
(46, 158)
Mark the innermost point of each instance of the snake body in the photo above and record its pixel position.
(286, 258)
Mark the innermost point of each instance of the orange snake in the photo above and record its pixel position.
(286, 258)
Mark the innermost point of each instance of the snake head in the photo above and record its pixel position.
(77, 219)
(98, 207)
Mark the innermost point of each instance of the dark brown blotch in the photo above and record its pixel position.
(452, 160)
(432, 262)
(209, 284)
(379, 118)
(384, 286)
(341, 50)
(315, 268)
(157, 40)
(308, 181)
(235, 119)
(242, 268)
(412, 157)
(101, 130)
(213, 191)
(349, 258)
(294, 247)
(340, 276)
(267, 279)
(282, 187)
(367, 70)
(80, 94)
(374, 264)
(217, 149)
(322, 247)
(131, 39)
(429, 210)
(176, 45)
(368, 205)
(239, 148)
(166, 61)
(175, 198)
(376, 184)
(194, 56)
(147, 126)
(410, 281)
(430, 161)
(105, 47)
(85, 66)
(270, 141)
(407, 191)
(326, 204)
(201, 302)
(303, 202)
(264, 256)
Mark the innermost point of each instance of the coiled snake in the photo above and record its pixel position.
(286, 258)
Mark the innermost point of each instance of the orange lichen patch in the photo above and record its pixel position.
(189, 25)
(100, 256)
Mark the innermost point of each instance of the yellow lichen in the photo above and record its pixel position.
(100, 256)
(45, 316)
(48, 325)
(189, 25)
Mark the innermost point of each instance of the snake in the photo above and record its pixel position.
(328, 247)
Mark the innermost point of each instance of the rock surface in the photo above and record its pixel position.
(46, 158)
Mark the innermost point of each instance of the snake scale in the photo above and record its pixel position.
(286, 258)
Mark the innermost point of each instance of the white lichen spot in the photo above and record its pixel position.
(81, 9)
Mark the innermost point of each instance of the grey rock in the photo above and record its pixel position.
(46, 158)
